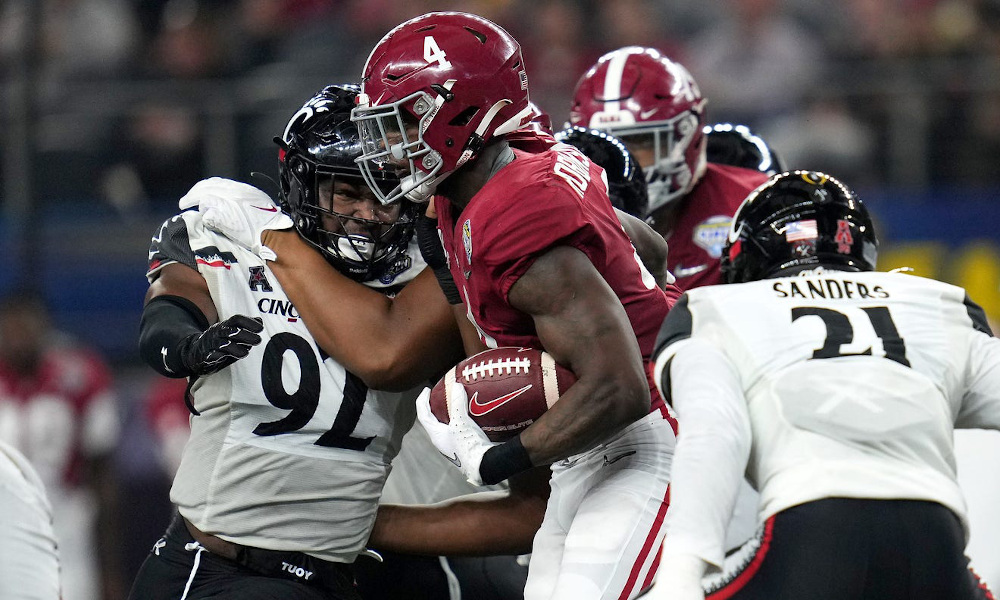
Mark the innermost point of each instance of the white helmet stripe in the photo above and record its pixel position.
(613, 81)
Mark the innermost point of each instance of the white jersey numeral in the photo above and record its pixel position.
(433, 53)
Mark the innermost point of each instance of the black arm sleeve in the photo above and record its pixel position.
(167, 322)
(433, 253)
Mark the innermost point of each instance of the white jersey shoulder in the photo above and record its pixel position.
(289, 450)
(854, 381)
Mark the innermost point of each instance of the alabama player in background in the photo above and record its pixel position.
(654, 106)
(539, 259)
(836, 389)
(59, 408)
(290, 446)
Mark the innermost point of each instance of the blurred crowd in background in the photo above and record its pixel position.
(140, 98)
(111, 109)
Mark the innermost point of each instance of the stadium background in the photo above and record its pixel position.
(111, 109)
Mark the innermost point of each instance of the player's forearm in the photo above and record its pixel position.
(711, 455)
(484, 524)
(582, 324)
(580, 419)
(649, 245)
(390, 344)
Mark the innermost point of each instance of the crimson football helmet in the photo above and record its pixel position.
(435, 90)
(649, 102)
(318, 147)
(796, 220)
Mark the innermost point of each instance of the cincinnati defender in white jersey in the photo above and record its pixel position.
(836, 389)
(279, 484)
(325, 438)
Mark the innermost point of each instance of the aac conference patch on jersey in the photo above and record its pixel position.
(710, 234)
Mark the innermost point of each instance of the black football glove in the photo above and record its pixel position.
(220, 345)
(435, 257)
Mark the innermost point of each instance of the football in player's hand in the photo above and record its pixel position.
(508, 389)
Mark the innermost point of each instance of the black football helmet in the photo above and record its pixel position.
(736, 145)
(626, 183)
(799, 219)
(320, 144)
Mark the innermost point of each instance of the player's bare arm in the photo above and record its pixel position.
(649, 244)
(482, 524)
(181, 280)
(391, 344)
(582, 323)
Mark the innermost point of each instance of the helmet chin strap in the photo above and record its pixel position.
(420, 192)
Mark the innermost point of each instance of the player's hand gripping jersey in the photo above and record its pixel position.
(288, 450)
(854, 382)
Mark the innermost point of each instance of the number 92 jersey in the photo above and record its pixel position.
(288, 450)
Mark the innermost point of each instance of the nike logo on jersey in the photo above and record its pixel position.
(268, 209)
(454, 459)
(643, 115)
(688, 271)
(478, 409)
(611, 461)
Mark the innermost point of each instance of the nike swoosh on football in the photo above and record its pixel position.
(688, 271)
(268, 209)
(478, 409)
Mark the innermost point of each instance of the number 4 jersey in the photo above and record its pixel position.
(854, 381)
(288, 450)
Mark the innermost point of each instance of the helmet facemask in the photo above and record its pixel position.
(669, 176)
(392, 141)
(358, 234)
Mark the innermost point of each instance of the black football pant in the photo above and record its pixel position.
(434, 578)
(854, 549)
(178, 569)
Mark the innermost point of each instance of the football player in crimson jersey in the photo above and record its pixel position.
(388, 341)
(539, 259)
(654, 106)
